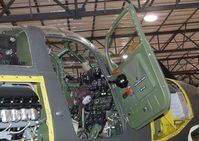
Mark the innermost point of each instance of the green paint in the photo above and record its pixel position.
(150, 95)
(23, 50)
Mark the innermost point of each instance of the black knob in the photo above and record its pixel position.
(121, 81)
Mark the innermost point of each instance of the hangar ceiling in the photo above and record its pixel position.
(174, 36)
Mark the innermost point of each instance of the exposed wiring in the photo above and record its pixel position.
(42, 120)
(34, 130)
(17, 132)
(6, 128)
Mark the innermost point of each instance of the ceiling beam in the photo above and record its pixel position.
(82, 13)
(185, 72)
(180, 57)
(38, 11)
(148, 33)
(6, 9)
(169, 7)
(177, 50)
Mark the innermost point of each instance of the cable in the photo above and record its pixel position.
(6, 128)
(20, 130)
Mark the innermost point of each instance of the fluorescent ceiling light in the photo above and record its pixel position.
(150, 18)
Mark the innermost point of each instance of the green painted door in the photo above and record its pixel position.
(149, 95)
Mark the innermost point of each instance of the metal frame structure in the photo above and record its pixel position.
(177, 48)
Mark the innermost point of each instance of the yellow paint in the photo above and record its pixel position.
(36, 90)
(169, 126)
(40, 80)
(132, 47)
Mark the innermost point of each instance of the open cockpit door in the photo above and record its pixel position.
(147, 95)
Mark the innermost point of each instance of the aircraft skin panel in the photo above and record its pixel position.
(41, 66)
(59, 119)
(149, 97)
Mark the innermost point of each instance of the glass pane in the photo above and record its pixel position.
(124, 40)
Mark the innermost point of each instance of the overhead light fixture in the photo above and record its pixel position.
(150, 18)
(125, 56)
